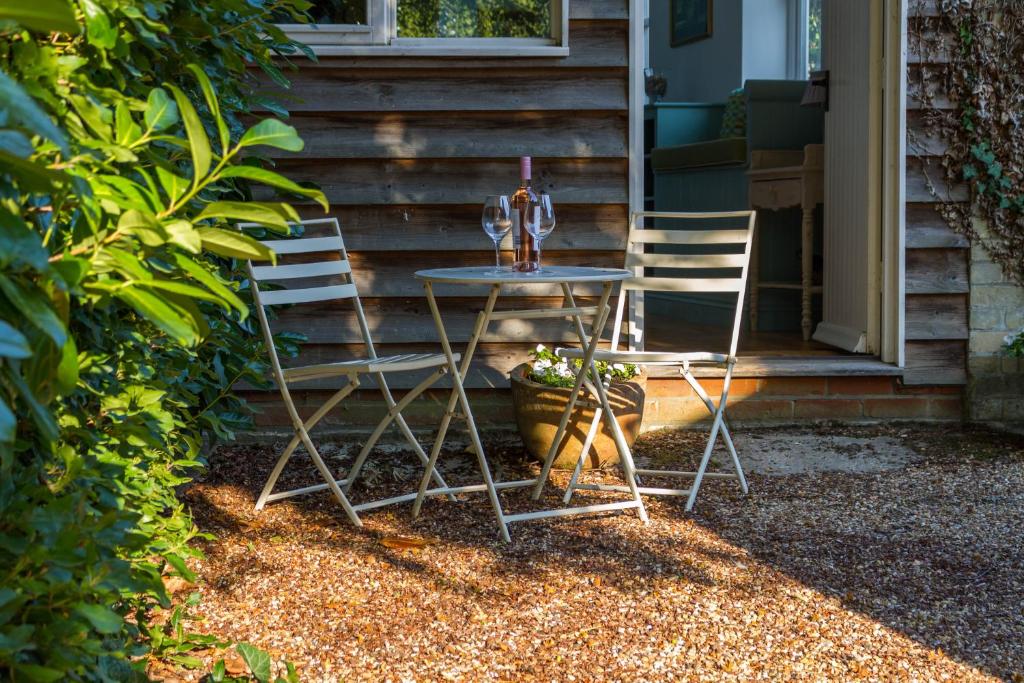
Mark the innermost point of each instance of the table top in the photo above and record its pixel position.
(547, 275)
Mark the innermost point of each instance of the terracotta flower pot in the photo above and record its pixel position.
(539, 409)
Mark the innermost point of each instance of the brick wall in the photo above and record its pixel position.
(788, 400)
(995, 390)
(670, 403)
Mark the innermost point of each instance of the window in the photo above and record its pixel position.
(498, 27)
(804, 38)
(814, 35)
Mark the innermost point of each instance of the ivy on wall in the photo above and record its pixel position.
(971, 88)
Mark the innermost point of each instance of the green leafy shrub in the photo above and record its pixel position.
(124, 159)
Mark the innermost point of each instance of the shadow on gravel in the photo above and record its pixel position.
(934, 550)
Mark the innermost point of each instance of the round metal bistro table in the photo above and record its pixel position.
(564, 278)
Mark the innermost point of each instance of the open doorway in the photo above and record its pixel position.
(774, 105)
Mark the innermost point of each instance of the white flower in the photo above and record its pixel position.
(541, 365)
(563, 369)
(1008, 339)
(619, 367)
(541, 348)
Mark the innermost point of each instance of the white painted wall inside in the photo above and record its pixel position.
(749, 40)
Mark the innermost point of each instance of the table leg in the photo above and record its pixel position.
(458, 396)
(588, 355)
(807, 270)
(605, 412)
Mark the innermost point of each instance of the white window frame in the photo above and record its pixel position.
(379, 36)
(796, 49)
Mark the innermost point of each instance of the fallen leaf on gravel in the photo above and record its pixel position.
(405, 542)
(235, 665)
(175, 584)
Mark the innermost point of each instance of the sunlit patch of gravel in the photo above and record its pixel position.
(907, 574)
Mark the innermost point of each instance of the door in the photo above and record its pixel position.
(850, 293)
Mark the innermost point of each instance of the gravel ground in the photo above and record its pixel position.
(915, 573)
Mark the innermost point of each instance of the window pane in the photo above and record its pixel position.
(474, 18)
(331, 12)
(814, 35)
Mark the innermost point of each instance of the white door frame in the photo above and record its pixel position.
(888, 318)
(894, 186)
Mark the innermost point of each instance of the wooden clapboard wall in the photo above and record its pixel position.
(407, 148)
(937, 278)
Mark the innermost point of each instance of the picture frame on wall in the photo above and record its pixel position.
(691, 20)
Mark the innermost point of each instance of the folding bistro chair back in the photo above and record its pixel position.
(324, 276)
(721, 266)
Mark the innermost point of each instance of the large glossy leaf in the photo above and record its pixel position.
(184, 289)
(24, 111)
(12, 342)
(126, 130)
(210, 281)
(8, 423)
(102, 618)
(262, 175)
(36, 309)
(155, 309)
(15, 144)
(41, 417)
(270, 214)
(19, 244)
(161, 111)
(211, 101)
(272, 133)
(31, 176)
(144, 226)
(234, 244)
(198, 143)
(174, 185)
(183, 234)
(40, 15)
(67, 369)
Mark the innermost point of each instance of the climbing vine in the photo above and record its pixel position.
(970, 85)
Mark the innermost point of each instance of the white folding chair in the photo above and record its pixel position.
(325, 280)
(720, 251)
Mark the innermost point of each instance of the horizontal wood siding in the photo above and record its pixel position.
(937, 276)
(406, 149)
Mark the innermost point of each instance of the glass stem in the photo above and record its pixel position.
(540, 243)
(497, 254)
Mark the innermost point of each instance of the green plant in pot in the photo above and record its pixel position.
(540, 392)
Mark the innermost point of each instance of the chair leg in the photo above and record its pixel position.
(716, 425)
(625, 454)
(394, 413)
(305, 426)
(276, 472)
(726, 435)
(591, 434)
(329, 478)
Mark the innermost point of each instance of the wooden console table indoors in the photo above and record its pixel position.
(780, 179)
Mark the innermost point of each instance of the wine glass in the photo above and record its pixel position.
(540, 221)
(497, 221)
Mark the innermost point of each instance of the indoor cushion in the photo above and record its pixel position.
(734, 119)
(722, 152)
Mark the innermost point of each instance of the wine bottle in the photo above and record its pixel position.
(523, 245)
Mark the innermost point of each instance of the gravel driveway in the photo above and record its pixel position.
(910, 570)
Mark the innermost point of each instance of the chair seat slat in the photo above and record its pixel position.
(306, 245)
(307, 295)
(634, 259)
(653, 236)
(318, 269)
(684, 284)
